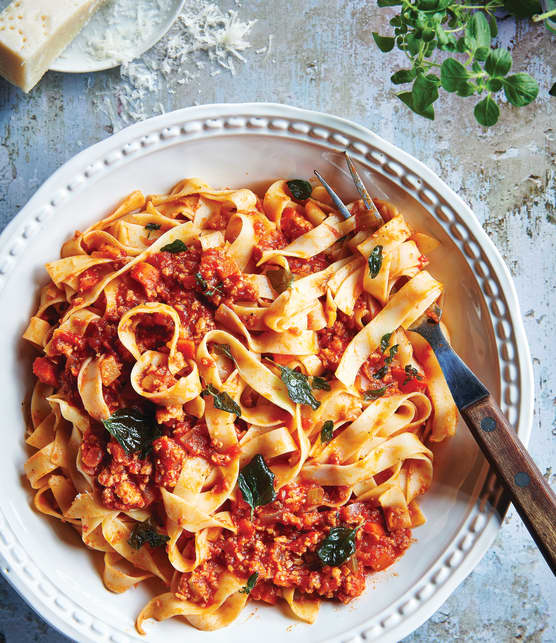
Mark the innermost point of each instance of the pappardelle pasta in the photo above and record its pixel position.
(228, 398)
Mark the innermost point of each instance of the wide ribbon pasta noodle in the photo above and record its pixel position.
(224, 381)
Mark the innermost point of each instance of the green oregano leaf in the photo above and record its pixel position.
(300, 189)
(477, 32)
(145, 533)
(403, 76)
(384, 43)
(407, 99)
(453, 74)
(203, 285)
(222, 400)
(256, 483)
(133, 429)
(298, 387)
(498, 62)
(552, 90)
(487, 112)
(251, 582)
(280, 279)
(523, 8)
(327, 431)
(338, 546)
(375, 261)
(152, 226)
(411, 373)
(175, 247)
(520, 89)
(424, 92)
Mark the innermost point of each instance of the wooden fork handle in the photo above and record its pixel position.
(529, 491)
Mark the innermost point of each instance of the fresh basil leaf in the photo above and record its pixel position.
(384, 341)
(374, 394)
(222, 400)
(375, 261)
(327, 431)
(280, 279)
(552, 90)
(320, 383)
(224, 349)
(494, 84)
(520, 89)
(453, 74)
(175, 247)
(298, 387)
(145, 532)
(256, 482)
(487, 112)
(134, 430)
(407, 99)
(153, 226)
(300, 189)
(403, 76)
(251, 582)
(384, 43)
(498, 62)
(425, 92)
(522, 8)
(338, 546)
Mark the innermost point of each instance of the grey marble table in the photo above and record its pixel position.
(322, 57)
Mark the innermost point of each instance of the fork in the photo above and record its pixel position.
(524, 483)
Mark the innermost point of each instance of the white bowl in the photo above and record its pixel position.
(250, 145)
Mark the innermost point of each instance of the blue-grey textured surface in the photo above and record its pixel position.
(322, 57)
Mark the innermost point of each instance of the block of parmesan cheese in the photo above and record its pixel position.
(34, 32)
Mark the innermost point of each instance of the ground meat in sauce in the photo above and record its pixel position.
(279, 544)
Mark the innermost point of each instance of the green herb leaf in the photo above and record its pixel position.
(487, 112)
(280, 279)
(384, 341)
(222, 400)
(374, 394)
(134, 430)
(477, 32)
(224, 349)
(498, 62)
(493, 25)
(298, 387)
(520, 89)
(523, 8)
(145, 532)
(153, 226)
(327, 431)
(203, 285)
(256, 482)
(403, 76)
(384, 43)
(407, 99)
(552, 90)
(411, 373)
(300, 189)
(251, 582)
(393, 353)
(338, 546)
(453, 74)
(379, 375)
(375, 261)
(494, 84)
(424, 92)
(175, 247)
(388, 3)
(320, 383)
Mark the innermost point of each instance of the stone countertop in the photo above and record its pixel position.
(322, 57)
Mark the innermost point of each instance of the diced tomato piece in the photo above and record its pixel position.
(293, 224)
(45, 370)
(187, 347)
(147, 275)
(89, 278)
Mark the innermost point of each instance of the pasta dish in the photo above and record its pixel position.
(228, 398)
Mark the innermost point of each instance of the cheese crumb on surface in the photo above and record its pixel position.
(34, 32)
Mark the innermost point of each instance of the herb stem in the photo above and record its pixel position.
(543, 16)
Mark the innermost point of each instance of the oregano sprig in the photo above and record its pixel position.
(476, 68)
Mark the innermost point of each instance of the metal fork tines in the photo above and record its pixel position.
(377, 220)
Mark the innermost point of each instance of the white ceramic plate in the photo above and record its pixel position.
(113, 18)
(251, 145)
